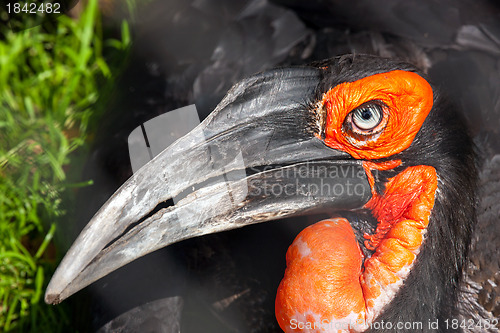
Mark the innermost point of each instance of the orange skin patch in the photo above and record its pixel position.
(325, 285)
(408, 196)
(408, 98)
(402, 213)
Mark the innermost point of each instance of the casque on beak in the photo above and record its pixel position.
(256, 158)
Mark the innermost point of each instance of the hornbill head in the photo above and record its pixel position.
(366, 139)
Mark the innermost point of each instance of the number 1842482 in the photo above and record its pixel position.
(34, 8)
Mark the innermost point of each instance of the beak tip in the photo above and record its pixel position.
(51, 298)
(53, 294)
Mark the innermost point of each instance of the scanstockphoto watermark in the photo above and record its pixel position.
(361, 325)
(310, 180)
(357, 325)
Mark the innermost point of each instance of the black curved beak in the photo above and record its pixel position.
(256, 158)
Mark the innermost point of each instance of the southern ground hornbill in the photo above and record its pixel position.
(369, 141)
(228, 281)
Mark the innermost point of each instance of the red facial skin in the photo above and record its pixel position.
(326, 287)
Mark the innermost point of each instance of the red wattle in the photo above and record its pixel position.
(321, 290)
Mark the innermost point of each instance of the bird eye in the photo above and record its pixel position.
(366, 121)
(367, 117)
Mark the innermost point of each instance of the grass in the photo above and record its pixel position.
(51, 78)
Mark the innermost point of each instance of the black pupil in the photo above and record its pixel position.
(366, 114)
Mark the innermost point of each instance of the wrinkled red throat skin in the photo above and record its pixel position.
(327, 288)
